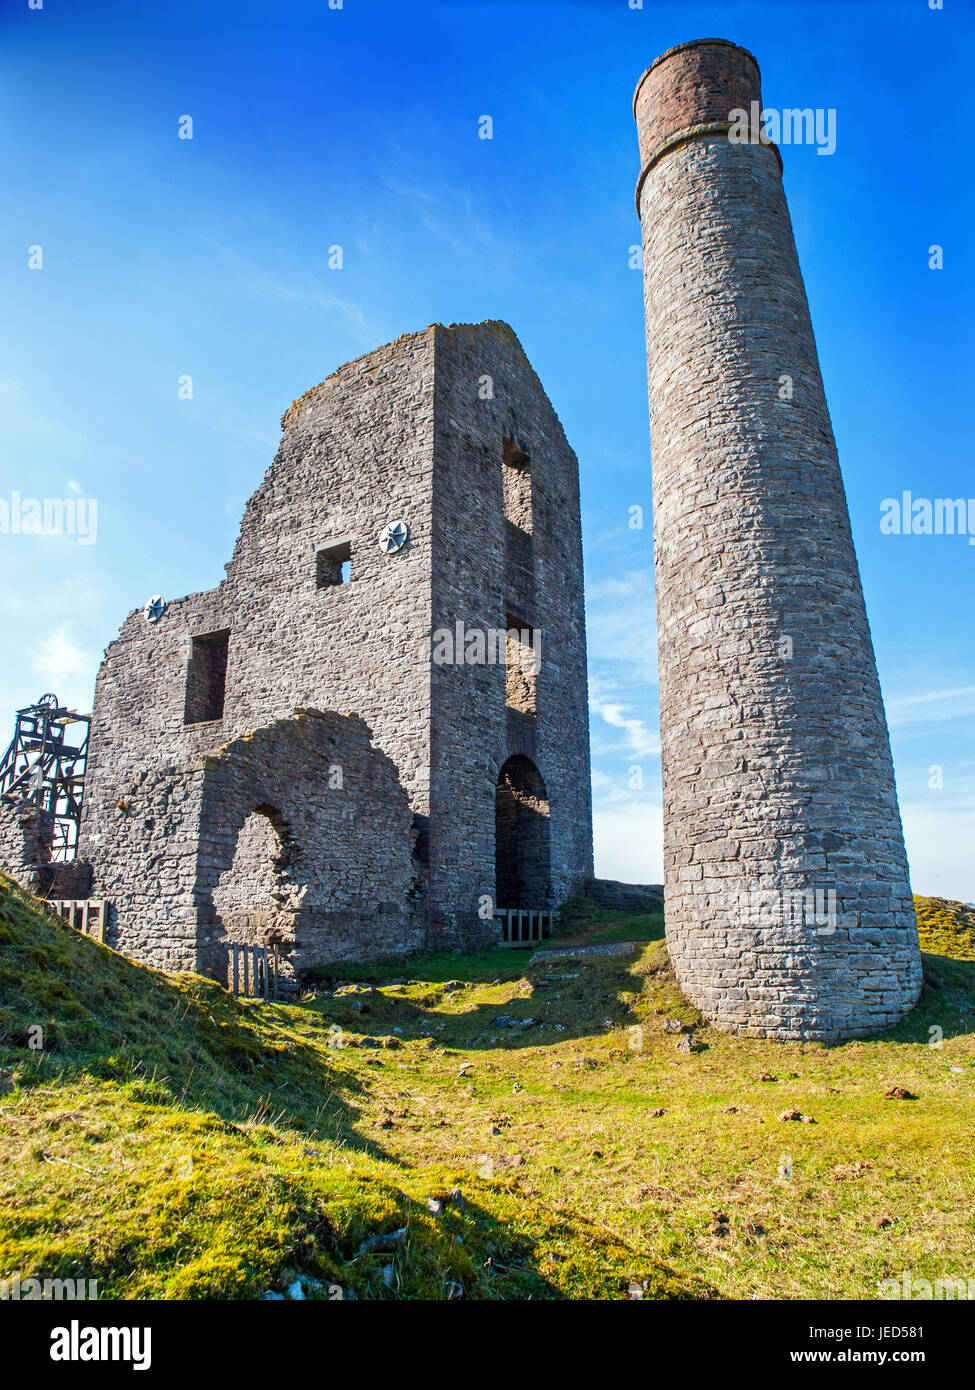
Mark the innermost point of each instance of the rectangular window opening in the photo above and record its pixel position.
(517, 479)
(206, 678)
(333, 565)
(523, 658)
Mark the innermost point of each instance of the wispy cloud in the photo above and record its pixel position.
(309, 292)
(65, 667)
(54, 634)
(313, 295)
(932, 695)
(625, 743)
(26, 420)
(621, 626)
(447, 213)
(931, 706)
(639, 739)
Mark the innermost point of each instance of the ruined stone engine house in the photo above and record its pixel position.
(328, 750)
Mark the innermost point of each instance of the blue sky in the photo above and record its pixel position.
(358, 127)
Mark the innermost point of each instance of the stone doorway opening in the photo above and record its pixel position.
(523, 875)
(256, 896)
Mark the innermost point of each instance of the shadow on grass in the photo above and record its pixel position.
(71, 1008)
(574, 996)
(492, 1242)
(569, 995)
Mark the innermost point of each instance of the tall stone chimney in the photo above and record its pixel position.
(789, 910)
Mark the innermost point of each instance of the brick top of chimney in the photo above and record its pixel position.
(695, 84)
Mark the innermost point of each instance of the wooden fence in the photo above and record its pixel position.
(253, 971)
(87, 915)
(523, 926)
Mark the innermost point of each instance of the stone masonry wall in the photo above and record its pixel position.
(356, 454)
(400, 434)
(26, 833)
(337, 880)
(144, 861)
(349, 886)
(70, 878)
(486, 569)
(778, 781)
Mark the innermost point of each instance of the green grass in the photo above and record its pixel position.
(582, 921)
(170, 1142)
(173, 1143)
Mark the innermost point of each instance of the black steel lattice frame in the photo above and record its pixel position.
(42, 768)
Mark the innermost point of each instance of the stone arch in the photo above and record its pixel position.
(339, 878)
(522, 850)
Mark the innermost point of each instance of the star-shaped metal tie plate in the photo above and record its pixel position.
(154, 609)
(393, 537)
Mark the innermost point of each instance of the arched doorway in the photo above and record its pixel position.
(523, 875)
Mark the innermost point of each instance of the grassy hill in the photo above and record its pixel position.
(946, 928)
(501, 1125)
